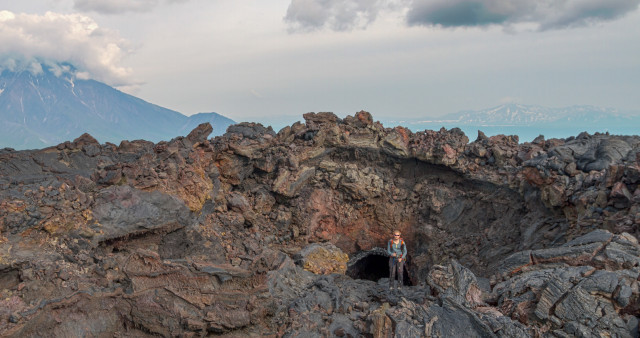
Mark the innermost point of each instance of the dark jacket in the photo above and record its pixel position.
(400, 249)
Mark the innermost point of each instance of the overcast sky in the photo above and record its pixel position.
(255, 59)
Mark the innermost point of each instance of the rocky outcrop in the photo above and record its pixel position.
(271, 234)
(322, 259)
(586, 286)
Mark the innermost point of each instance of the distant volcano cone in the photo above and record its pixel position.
(47, 107)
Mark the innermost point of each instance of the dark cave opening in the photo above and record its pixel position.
(373, 266)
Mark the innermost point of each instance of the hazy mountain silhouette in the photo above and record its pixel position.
(531, 115)
(529, 121)
(44, 108)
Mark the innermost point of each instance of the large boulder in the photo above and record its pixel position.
(322, 258)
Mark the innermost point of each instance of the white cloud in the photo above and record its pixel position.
(120, 6)
(63, 38)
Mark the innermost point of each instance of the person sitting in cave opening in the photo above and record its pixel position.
(397, 251)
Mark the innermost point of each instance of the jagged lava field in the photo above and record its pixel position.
(264, 234)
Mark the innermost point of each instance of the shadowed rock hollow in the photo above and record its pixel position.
(373, 265)
(265, 234)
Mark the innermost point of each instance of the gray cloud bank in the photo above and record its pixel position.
(340, 15)
(308, 15)
(119, 6)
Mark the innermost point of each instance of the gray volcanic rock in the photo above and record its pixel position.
(197, 236)
(563, 294)
(596, 152)
(124, 211)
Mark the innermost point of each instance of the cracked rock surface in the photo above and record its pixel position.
(258, 233)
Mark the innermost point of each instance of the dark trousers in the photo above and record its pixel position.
(394, 265)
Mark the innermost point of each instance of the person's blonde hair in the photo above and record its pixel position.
(397, 232)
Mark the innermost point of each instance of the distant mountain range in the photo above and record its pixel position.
(531, 115)
(529, 121)
(45, 108)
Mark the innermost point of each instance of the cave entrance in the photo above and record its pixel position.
(373, 265)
